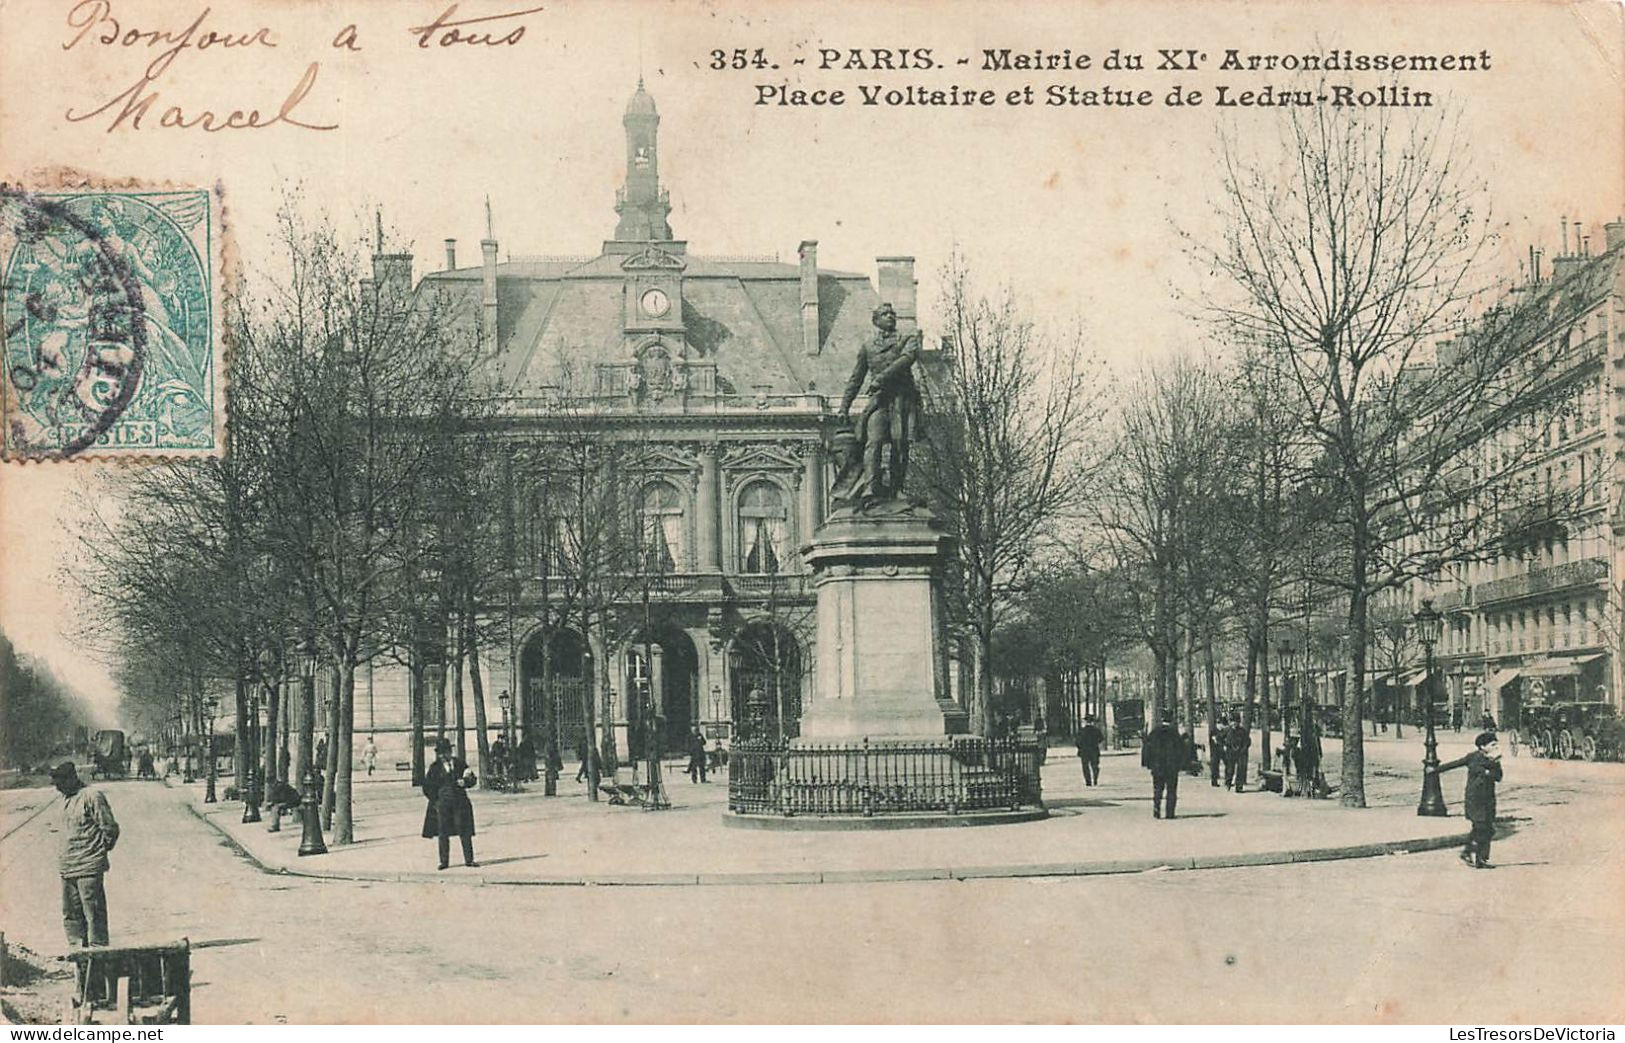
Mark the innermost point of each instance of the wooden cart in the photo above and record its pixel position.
(132, 985)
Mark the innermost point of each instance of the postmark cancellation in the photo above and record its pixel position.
(111, 322)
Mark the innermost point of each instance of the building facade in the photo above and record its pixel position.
(725, 373)
(1538, 621)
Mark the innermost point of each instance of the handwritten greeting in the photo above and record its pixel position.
(143, 103)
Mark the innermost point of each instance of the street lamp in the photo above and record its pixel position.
(512, 766)
(211, 708)
(1285, 657)
(1429, 623)
(251, 742)
(310, 843)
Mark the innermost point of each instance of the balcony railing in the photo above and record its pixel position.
(1540, 581)
(780, 585)
(865, 778)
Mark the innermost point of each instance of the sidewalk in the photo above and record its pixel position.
(529, 839)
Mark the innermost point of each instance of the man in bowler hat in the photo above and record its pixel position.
(446, 784)
(1164, 752)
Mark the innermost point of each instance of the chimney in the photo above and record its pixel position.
(1613, 233)
(392, 274)
(809, 296)
(1563, 223)
(488, 299)
(451, 255)
(897, 287)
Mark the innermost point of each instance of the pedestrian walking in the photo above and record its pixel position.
(146, 770)
(525, 754)
(1218, 753)
(499, 760)
(87, 832)
(1238, 743)
(1483, 772)
(1164, 753)
(1486, 723)
(369, 755)
(1089, 739)
(696, 756)
(450, 812)
(582, 746)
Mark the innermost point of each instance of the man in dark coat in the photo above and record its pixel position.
(1164, 752)
(1089, 739)
(1483, 772)
(446, 784)
(1238, 742)
(696, 756)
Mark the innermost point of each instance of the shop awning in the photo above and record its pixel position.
(1552, 668)
(1413, 678)
(1582, 660)
(1501, 678)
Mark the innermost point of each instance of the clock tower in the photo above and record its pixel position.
(642, 204)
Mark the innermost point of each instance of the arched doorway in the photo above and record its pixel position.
(765, 655)
(565, 705)
(664, 661)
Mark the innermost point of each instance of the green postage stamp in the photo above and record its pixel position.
(111, 309)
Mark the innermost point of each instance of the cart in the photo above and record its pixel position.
(132, 985)
(1566, 730)
(107, 754)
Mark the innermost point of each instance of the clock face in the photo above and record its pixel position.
(655, 303)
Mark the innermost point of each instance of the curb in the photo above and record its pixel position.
(864, 876)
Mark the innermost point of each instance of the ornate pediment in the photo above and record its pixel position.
(665, 459)
(652, 257)
(762, 456)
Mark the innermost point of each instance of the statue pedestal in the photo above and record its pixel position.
(882, 664)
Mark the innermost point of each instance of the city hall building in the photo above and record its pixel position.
(727, 370)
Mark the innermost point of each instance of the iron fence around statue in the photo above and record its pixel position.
(949, 776)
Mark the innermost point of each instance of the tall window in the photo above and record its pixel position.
(662, 525)
(764, 528)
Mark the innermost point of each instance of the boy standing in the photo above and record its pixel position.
(1483, 772)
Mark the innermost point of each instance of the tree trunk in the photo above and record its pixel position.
(1264, 700)
(305, 748)
(417, 696)
(460, 713)
(482, 738)
(335, 713)
(1353, 781)
(273, 706)
(1209, 681)
(342, 755)
(242, 752)
(1188, 703)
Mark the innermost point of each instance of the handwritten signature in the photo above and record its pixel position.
(94, 23)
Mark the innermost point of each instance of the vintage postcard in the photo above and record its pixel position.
(865, 511)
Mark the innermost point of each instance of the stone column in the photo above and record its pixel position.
(705, 507)
(812, 490)
(701, 638)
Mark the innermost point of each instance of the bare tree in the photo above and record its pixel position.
(1354, 250)
(1171, 454)
(1007, 435)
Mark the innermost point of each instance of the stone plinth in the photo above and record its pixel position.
(882, 665)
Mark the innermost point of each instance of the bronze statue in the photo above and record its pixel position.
(869, 475)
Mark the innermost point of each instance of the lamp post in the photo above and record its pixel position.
(1285, 654)
(211, 708)
(505, 700)
(250, 780)
(1428, 625)
(310, 843)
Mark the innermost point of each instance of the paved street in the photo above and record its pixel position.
(1401, 938)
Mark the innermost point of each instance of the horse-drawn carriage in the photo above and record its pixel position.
(1565, 730)
(107, 754)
